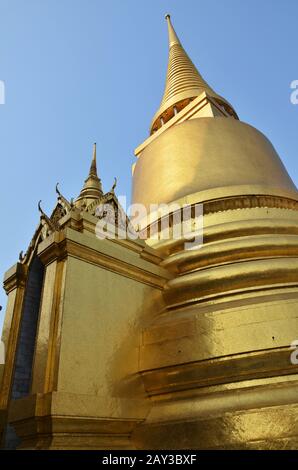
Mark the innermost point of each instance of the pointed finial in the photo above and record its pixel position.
(93, 167)
(173, 38)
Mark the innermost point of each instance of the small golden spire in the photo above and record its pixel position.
(183, 83)
(93, 167)
(92, 188)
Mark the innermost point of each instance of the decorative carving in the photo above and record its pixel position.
(57, 215)
(235, 203)
(45, 220)
(63, 201)
(249, 201)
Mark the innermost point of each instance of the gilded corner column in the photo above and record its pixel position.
(45, 366)
(14, 285)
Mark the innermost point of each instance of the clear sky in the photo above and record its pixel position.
(79, 71)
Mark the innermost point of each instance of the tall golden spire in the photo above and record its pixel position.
(183, 83)
(92, 188)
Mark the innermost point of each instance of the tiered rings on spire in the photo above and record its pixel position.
(183, 83)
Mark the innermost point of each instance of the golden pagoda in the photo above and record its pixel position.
(122, 343)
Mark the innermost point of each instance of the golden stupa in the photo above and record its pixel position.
(144, 343)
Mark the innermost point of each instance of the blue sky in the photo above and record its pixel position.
(79, 71)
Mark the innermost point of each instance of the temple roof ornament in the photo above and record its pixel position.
(92, 188)
(92, 200)
(62, 200)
